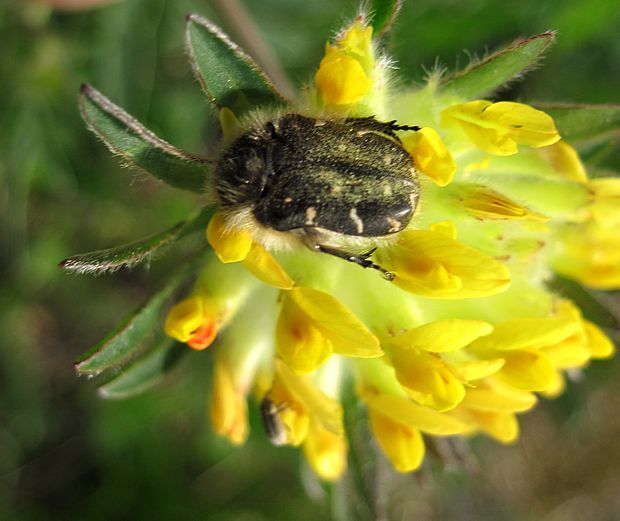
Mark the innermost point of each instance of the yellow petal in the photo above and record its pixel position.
(194, 321)
(569, 353)
(341, 79)
(402, 410)
(402, 444)
(485, 204)
(356, 40)
(443, 336)
(497, 128)
(431, 264)
(528, 126)
(228, 407)
(524, 333)
(556, 387)
(348, 335)
(426, 378)
(499, 399)
(590, 255)
(430, 155)
(598, 343)
(323, 409)
(528, 370)
(477, 369)
(502, 426)
(299, 342)
(229, 245)
(564, 159)
(263, 266)
(326, 452)
(446, 228)
(185, 318)
(606, 206)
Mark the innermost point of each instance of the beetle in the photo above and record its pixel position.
(335, 185)
(274, 428)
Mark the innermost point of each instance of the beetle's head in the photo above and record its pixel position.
(243, 169)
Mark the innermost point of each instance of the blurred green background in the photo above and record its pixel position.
(64, 453)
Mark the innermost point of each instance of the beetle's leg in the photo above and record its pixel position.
(359, 259)
(394, 126)
(372, 124)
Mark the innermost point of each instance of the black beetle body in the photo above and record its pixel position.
(320, 178)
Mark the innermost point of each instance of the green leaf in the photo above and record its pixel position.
(129, 255)
(583, 122)
(356, 496)
(596, 306)
(383, 13)
(145, 372)
(229, 77)
(139, 147)
(123, 342)
(484, 76)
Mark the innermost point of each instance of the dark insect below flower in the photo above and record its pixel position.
(274, 428)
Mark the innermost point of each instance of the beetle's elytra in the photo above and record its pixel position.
(321, 177)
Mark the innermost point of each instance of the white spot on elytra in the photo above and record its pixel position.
(288, 199)
(310, 215)
(387, 190)
(394, 225)
(359, 224)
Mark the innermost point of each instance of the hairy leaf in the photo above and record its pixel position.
(229, 77)
(484, 76)
(139, 147)
(127, 338)
(383, 13)
(129, 255)
(583, 122)
(145, 372)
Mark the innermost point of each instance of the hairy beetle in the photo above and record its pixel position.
(324, 182)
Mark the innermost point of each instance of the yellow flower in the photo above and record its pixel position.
(326, 452)
(397, 423)
(431, 156)
(313, 325)
(194, 321)
(228, 407)
(233, 245)
(453, 331)
(431, 264)
(416, 357)
(497, 128)
(344, 75)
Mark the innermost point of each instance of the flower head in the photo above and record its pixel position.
(451, 329)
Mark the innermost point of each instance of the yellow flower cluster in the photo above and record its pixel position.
(466, 334)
